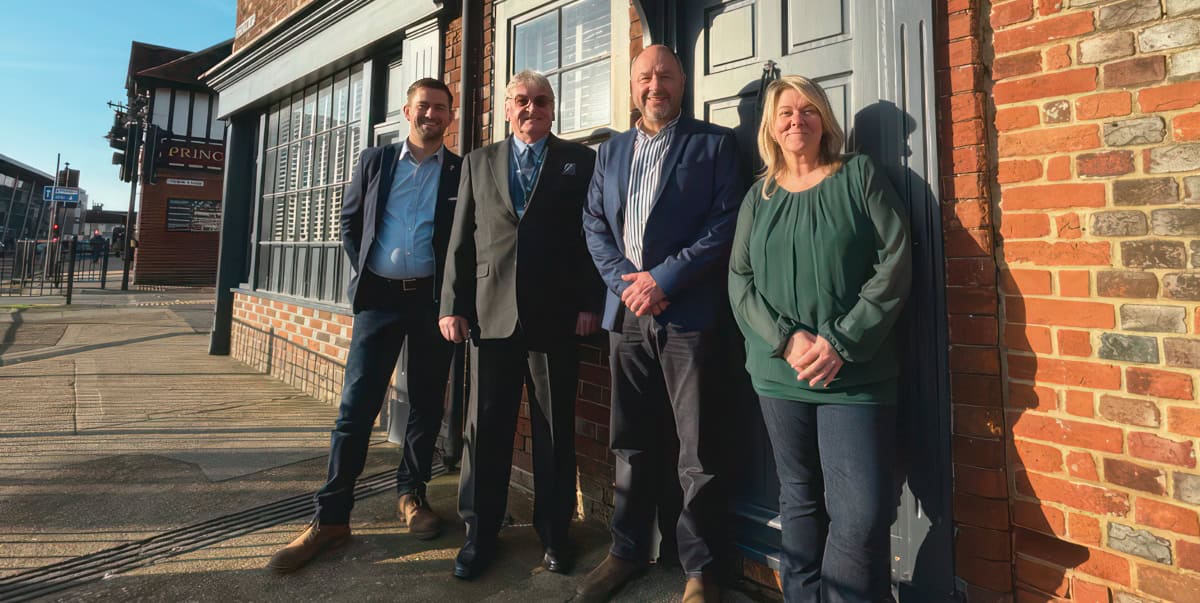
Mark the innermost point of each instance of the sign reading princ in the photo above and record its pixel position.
(191, 155)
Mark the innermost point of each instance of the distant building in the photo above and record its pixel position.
(104, 222)
(178, 227)
(23, 214)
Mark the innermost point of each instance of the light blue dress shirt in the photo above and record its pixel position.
(516, 188)
(403, 246)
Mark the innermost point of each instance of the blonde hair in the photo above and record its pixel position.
(531, 79)
(832, 137)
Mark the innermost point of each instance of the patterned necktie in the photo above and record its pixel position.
(525, 174)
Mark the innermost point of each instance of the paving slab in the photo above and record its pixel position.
(116, 426)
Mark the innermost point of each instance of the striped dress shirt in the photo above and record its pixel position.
(648, 154)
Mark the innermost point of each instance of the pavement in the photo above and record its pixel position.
(119, 432)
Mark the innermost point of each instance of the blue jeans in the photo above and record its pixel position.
(835, 498)
(380, 330)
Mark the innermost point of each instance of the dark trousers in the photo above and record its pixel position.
(499, 369)
(835, 487)
(663, 375)
(380, 331)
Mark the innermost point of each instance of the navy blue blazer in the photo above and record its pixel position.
(690, 227)
(368, 191)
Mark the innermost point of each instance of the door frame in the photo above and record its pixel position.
(926, 570)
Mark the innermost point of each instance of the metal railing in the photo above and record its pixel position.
(39, 268)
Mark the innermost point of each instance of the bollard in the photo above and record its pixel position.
(71, 272)
(104, 269)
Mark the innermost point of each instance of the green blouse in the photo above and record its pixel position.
(833, 260)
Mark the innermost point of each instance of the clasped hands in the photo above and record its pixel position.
(643, 296)
(813, 358)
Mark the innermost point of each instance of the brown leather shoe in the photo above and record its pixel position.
(608, 577)
(316, 538)
(422, 522)
(701, 590)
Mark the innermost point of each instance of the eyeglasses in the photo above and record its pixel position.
(522, 101)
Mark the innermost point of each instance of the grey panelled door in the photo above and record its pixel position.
(874, 60)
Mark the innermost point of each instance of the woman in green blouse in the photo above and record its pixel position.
(819, 272)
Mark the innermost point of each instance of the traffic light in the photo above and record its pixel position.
(150, 152)
(130, 156)
(116, 134)
(125, 139)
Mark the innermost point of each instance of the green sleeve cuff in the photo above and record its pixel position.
(829, 332)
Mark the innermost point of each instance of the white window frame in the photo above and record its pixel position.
(509, 13)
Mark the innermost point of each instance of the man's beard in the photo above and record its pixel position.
(430, 131)
(660, 111)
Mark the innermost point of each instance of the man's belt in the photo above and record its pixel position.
(406, 285)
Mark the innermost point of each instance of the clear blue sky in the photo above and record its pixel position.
(61, 60)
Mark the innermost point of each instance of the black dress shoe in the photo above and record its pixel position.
(470, 564)
(556, 561)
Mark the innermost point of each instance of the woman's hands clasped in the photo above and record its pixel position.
(813, 358)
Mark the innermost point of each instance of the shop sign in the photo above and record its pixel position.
(191, 155)
(193, 215)
(185, 182)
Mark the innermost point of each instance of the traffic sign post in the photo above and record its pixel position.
(60, 194)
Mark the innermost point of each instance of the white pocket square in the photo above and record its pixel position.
(568, 169)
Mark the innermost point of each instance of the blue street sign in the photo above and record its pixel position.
(61, 194)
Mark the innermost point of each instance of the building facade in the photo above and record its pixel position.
(1048, 154)
(182, 160)
(25, 215)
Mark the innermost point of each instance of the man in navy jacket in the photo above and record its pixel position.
(396, 221)
(659, 223)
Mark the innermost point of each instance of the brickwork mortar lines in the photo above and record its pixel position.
(1095, 106)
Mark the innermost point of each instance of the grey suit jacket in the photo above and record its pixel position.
(535, 270)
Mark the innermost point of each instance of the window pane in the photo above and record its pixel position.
(290, 219)
(335, 213)
(297, 117)
(341, 100)
(294, 168)
(285, 123)
(324, 101)
(281, 170)
(310, 109)
(269, 172)
(585, 97)
(586, 31)
(318, 215)
(356, 95)
(321, 160)
(536, 44)
(306, 164)
(273, 127)
(339, 156)
(355, 141)
(278, 218)
(303, 216)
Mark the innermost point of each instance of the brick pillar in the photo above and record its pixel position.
(982, 540)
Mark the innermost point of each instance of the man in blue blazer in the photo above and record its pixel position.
(659, 223)
(396, 219)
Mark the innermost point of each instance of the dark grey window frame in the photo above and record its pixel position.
(310, 270)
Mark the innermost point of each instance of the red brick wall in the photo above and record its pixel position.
(1095, 144)
(302, 346)
(982, 537)
(175, 258)
(266, 13)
